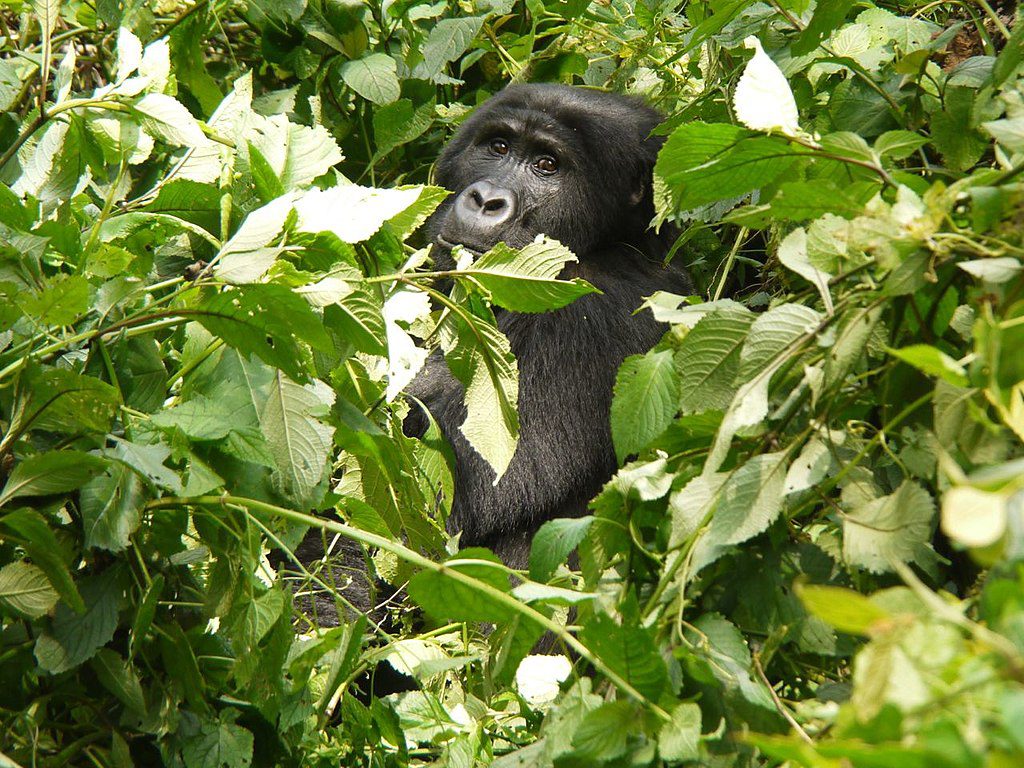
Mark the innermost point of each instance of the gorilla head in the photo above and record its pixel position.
(572, 163)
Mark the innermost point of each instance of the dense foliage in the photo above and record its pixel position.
(212, 293)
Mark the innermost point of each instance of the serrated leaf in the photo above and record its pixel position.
(25, 589)
(480, 356)
(763, 100)
(448, 40)
(299, 441)
(297, 154)
(168, 119)
(445, 598)
(605, 732)
(267, 321)
(373, 77)
(646, 398)
(628, 649)
(526, 280)
(704, 162)
(553, 543)
(351, 212)
(679, 739)
(892, 529)
(29, 530)
(708, 360)
(218, 745)
(743, 504)
(74, 638)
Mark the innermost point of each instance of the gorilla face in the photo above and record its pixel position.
(570, 163)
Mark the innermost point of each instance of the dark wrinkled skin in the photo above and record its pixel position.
(597, 202)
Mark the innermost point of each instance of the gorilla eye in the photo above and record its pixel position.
(546, 165)
(499, 146)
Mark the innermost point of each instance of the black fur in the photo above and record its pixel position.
(599, 204)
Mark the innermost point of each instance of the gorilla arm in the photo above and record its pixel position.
(568, 359)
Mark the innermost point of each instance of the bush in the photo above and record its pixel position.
(200, 359)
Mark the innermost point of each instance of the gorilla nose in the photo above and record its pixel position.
(483, 206)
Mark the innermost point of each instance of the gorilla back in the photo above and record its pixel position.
(576, 165)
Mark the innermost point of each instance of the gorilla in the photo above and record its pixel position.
(574, 164)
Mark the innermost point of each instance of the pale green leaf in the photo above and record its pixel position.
(842, 608)
(526, 280)
(892, 529)
(298, 439)
(353, 213)
(167, 119)
(25, 589)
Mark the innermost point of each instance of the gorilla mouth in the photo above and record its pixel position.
(448, 245)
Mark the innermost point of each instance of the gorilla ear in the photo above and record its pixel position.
(639, 192)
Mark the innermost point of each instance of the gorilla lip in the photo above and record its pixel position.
(448, 245)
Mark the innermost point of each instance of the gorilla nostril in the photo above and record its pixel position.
(478, 199)
(495, 205)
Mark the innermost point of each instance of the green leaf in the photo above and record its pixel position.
(628, 649)
(553, 543)
(679, 739)
(25, 590)
(374, 77)
(842, 608)
(709, 358)
(479, 355)
(169, 120)
(267, 321)
(933, 362)
(61, 303)
(60, 400)
(954, 131)
(299, 442)
(399, 123)
(828, 15)
(220, 744)
(704, 162)
(646, 400)
(45, 474)
(27, 528)
(48, 12)
(448, 40)
(1010, 57)
(111, 507)
(526, 280)
(899, 144)
(75, 638)
(880, 533)
(604, 733)
(445, 598)
(118, 677)
(296, 154)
